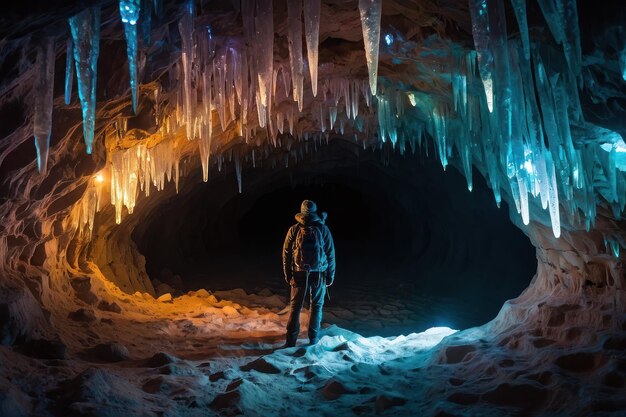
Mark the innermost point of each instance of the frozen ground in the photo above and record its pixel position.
(205, 354)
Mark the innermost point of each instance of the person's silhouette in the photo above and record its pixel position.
(308, 267)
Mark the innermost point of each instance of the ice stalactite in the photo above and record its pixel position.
(510, 106)
(185, 27)
(519, 7)
(85, 28)
(553, 196)
(571, 43)
(294, 13)
(480, 31)
(439, 127)
(312, 16)
(84, 212)
(622, 62)
(138, 168)
(264, 27)
(371, 11)
(43, 96)
(387, 120)
(238, 171)
(146, 22)
(206, 132)
(129, 11)
(562, 19)
(69, 70)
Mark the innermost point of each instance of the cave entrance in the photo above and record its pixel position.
(415, 248)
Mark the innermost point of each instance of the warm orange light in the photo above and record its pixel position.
(99, 178)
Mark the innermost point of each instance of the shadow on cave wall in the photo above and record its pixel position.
(408, 236)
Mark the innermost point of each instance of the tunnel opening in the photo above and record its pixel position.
(415, 248)
(519, 97)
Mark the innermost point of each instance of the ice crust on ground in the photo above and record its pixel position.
(204, 354)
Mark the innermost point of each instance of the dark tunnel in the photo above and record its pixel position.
(408, 236)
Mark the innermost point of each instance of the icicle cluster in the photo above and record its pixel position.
(510, 109)
(139, 167)
(83, 213)
(532, 107)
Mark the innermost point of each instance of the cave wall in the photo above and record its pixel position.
(52, 265)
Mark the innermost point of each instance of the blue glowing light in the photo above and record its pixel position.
(389, 39)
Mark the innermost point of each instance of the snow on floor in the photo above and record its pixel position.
(205, 354)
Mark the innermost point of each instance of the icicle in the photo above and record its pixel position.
(519, 6)
(69, 71)
(480, 32)
(219, 80)
(439, 124)
(371, 11)
(571, 42)
(312, 15)
(238, 170)
(185, 27)
(146, 23)
(551, 15)
(129, 11)
(43, 92)
(85, 28)
(264, 25)
(523, 195)
(294, 12)
(332, 110)
(553, 196)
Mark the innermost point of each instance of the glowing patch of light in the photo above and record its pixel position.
(620, 150)
(412, 99)
(488, 84)
(129, 11)
(528, 166)
(389, 39)
(99, 178)
(424, 340)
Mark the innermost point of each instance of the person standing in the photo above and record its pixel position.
(308, 267)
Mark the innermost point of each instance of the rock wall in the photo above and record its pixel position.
(50, 267)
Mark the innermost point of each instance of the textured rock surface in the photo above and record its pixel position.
(567, 326)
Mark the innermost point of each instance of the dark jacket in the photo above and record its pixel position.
(328, 245)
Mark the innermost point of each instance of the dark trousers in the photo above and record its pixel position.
(315, 286)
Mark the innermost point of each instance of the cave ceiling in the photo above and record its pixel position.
(537, 110)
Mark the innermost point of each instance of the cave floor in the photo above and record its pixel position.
(368, 298)
(218, 354)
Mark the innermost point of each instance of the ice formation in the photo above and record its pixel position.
(69, 70)
(622, 62)
(294, 10)
(85, 28)
(185, 26)
(510, 105)
(139, 168)
(43, 93)
(312, 11)
(371, 11)
(129, 11)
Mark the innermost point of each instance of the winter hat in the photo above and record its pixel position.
(308, 207)
(308, 213)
